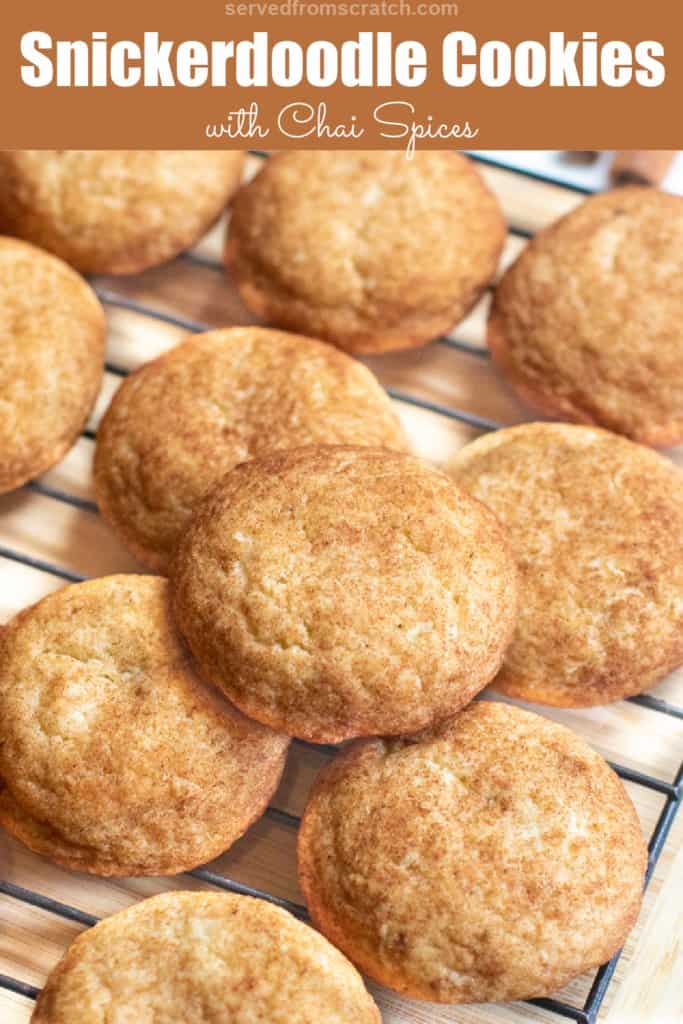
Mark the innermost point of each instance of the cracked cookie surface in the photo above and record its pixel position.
(370, 251)
(179, 423)
(587, 324)
(51, 360)
(204, 957)
(338, 591)
(492, 858)
(596, 526)
(115, 758)
(114, 211)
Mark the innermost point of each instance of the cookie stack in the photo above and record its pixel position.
(324, 583)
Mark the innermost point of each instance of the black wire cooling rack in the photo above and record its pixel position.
(671, 791)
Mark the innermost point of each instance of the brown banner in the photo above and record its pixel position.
(471, 74)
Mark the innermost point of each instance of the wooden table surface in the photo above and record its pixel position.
(455, 373)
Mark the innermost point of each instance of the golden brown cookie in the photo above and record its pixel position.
(596, 524)
(182, 421)
(493, 858)
(115, 757)
(52, 336)
(370, 251)
(587, 324)
(336, 591)
(203, 957)
(114, 211)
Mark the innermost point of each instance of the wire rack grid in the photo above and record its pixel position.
(670, 790)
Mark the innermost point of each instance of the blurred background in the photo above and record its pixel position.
(592, 170)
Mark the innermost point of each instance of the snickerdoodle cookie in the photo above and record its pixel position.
(337, 591)
(51, 364)
(181, 422)
(114, 756)
(596, 525)
(114, 211)
(370, 251)
(204, 957)
(492, 858)
(587, 325)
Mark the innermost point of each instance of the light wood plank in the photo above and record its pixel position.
(651, 989)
